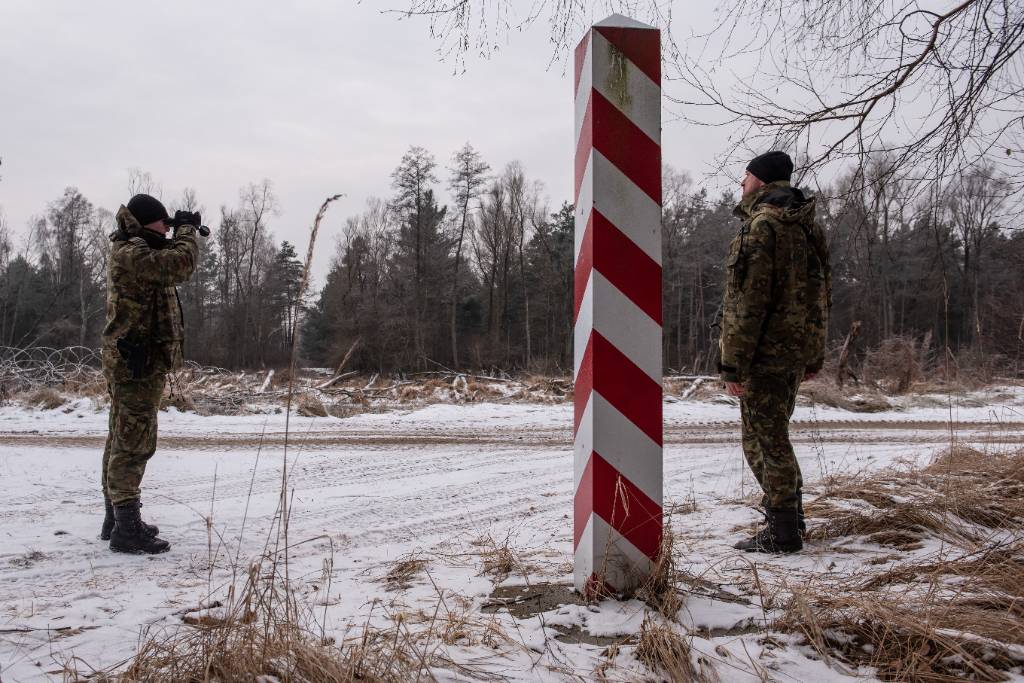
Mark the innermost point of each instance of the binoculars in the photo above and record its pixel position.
(186, 218)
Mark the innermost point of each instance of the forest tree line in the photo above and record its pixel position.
(485, 280)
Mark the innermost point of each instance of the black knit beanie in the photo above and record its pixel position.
(147, 209)
(771, 166)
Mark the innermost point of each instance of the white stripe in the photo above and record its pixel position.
(621, 443)
(586, 85)
(623, 568)
(584, 556)
(625, 447)
(639, 100)
(628, 207)
(625, 325)
(583, 205)
(584, 325)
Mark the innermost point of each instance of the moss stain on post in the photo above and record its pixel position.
(618, 78)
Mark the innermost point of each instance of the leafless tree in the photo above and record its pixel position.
(142, 182)
(977, 206)
(937, 84)
(520, 216)
(189, 201)
(468, 177)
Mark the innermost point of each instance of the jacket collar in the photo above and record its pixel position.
(746, 206)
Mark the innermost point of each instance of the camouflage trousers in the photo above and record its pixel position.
(766, 408)
(131, 437)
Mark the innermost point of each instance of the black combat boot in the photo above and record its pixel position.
(108, 522)
(129, 534)
(780, 535)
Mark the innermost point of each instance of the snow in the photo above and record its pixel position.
(431, 482)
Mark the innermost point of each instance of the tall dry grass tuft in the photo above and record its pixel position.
(663, 650)
(498, 559)
(258, 637)
(660, 589)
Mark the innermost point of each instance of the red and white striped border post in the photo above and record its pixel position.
(618, 426)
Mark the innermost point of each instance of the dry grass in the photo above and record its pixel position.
(463, 627)
(962, 496)
(824, 391)
(43, 398)
(694, 388)
(91, 386)
(481, 391)
(660, 589)
(180, 400)
(404, 570)
(957, 613)
(258, 637)
(942, 622)
(498, 560)
(897, 363)
(311, 406)
(664, 651)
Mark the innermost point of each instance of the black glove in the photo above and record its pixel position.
(187, 218)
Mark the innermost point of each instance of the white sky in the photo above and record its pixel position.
(318, 96)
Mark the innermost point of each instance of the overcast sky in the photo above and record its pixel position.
(318, 96)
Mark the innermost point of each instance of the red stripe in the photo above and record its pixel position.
(640, 46)
(584, 384)
(628, 388)
(584, 145)
(604, 491)
(583, 503)
(625, 265)
(584, 264)
(625, 145)
(581, 56)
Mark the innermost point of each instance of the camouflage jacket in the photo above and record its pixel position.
(144, 333)
(778, 287)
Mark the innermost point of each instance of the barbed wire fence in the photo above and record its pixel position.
(26, 369)
(78, 369)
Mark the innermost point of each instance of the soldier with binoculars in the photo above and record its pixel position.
(141, 342)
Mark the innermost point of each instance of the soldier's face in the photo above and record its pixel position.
(749, 183)
(159, 227)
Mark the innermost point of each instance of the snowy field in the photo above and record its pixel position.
(442, 484)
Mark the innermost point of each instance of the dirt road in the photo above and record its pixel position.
(723, 432)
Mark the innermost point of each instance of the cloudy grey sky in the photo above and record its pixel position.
(319, 96)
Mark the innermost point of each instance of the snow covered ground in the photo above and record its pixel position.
(440, 483)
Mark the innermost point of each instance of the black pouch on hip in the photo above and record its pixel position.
(135, 356)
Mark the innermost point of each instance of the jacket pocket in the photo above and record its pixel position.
(735, 267)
